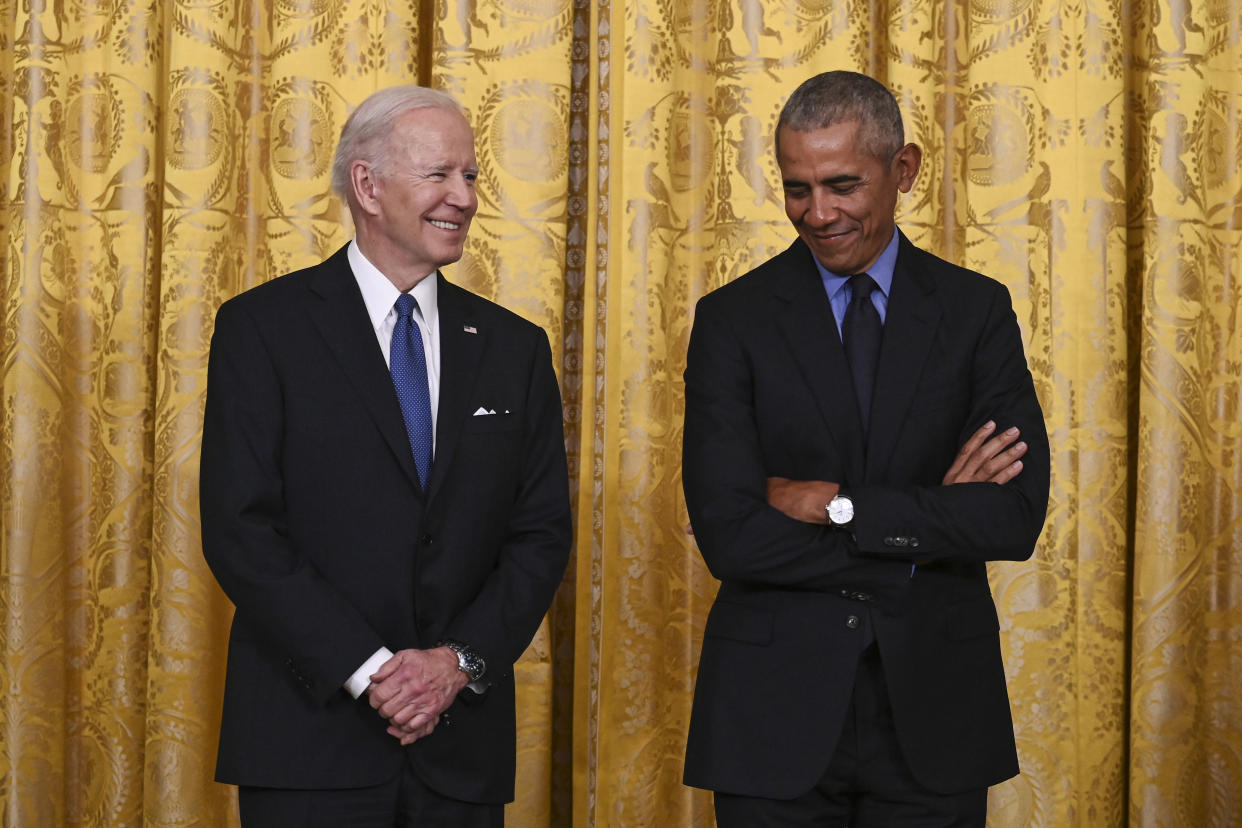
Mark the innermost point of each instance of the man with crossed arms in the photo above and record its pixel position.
(851, 670)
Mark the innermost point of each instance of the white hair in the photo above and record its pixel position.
(365, 134)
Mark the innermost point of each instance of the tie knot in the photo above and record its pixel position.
(405, 306)
(861, 284)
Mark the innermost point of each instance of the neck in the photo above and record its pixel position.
(403, 274)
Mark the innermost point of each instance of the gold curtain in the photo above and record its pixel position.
(164, 155)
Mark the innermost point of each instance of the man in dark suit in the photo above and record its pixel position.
(846, 482)
(391, 538)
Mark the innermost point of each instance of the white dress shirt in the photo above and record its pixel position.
(380, 297)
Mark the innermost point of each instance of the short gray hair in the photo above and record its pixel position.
(841, 97)
(365, 134)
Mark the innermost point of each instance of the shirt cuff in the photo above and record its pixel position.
(358, 683)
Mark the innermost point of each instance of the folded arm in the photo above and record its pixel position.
(741, 536)
(753, 526)
(982, 459)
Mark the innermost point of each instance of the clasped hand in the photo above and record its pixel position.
(413, 688)
(981, 459)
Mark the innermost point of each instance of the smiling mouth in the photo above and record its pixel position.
(444, 225)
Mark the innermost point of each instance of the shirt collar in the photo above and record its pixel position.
(881, 271)
(380, 295)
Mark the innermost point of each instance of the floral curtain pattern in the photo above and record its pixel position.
(163, 155)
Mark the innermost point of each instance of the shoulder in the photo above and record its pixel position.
(773, 276)
(476, 310)
(953, 282)
(286, 293)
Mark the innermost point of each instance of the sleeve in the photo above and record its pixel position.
(501, 620)
(740, 536)
(284, 601)
(972, 521)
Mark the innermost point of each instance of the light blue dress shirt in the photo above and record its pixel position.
(836, 285)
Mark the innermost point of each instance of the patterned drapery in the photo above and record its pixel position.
(164, 155)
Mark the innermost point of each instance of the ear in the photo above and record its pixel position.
(364, 184)
(906, 165)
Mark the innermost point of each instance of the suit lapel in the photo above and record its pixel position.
(804, 317)
(340, 316)
(909, 329)
(462, 342)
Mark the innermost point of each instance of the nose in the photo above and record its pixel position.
(461, 194)
(824, 209)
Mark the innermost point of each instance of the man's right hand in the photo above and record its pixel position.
(984, 460)
(413, 688)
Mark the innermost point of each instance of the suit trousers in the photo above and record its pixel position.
(402, 802)
(867, 784)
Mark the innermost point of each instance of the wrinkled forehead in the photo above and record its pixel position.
(433, 133)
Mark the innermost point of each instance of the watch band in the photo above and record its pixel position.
(468, 661)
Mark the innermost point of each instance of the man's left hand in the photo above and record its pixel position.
(413, 688)
(984, 460)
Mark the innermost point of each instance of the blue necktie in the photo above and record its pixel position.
(408, 363)
(861, 331)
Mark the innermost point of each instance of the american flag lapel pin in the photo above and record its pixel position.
(470, 329)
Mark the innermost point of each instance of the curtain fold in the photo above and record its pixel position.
(161, 156)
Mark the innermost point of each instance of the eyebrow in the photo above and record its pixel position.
(442, 167)
(834, 181)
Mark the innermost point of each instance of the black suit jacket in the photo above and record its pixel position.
(316, 527)
(768, 393)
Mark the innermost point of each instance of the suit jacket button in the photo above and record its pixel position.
(914, 541)
(890, 542)
(427, 540)
(852, 622)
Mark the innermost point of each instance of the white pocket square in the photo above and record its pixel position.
(483, 412)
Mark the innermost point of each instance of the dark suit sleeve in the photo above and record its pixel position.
(501, 620)
(972, 521)
(286, 603)
(740, 536)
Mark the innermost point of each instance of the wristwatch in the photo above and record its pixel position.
(468, 661)
(841, 511)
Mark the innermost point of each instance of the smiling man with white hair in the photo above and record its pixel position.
(385, 499)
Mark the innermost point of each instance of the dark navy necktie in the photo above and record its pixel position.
(408, 362)
(860, 333)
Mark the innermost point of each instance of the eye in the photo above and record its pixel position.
(471, 176)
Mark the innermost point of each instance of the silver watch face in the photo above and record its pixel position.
(841, 510)
(470, 664)
(468, 661)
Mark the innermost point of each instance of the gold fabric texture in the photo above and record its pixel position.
(162, 155)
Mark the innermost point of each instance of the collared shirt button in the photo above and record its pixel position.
(852, 622)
